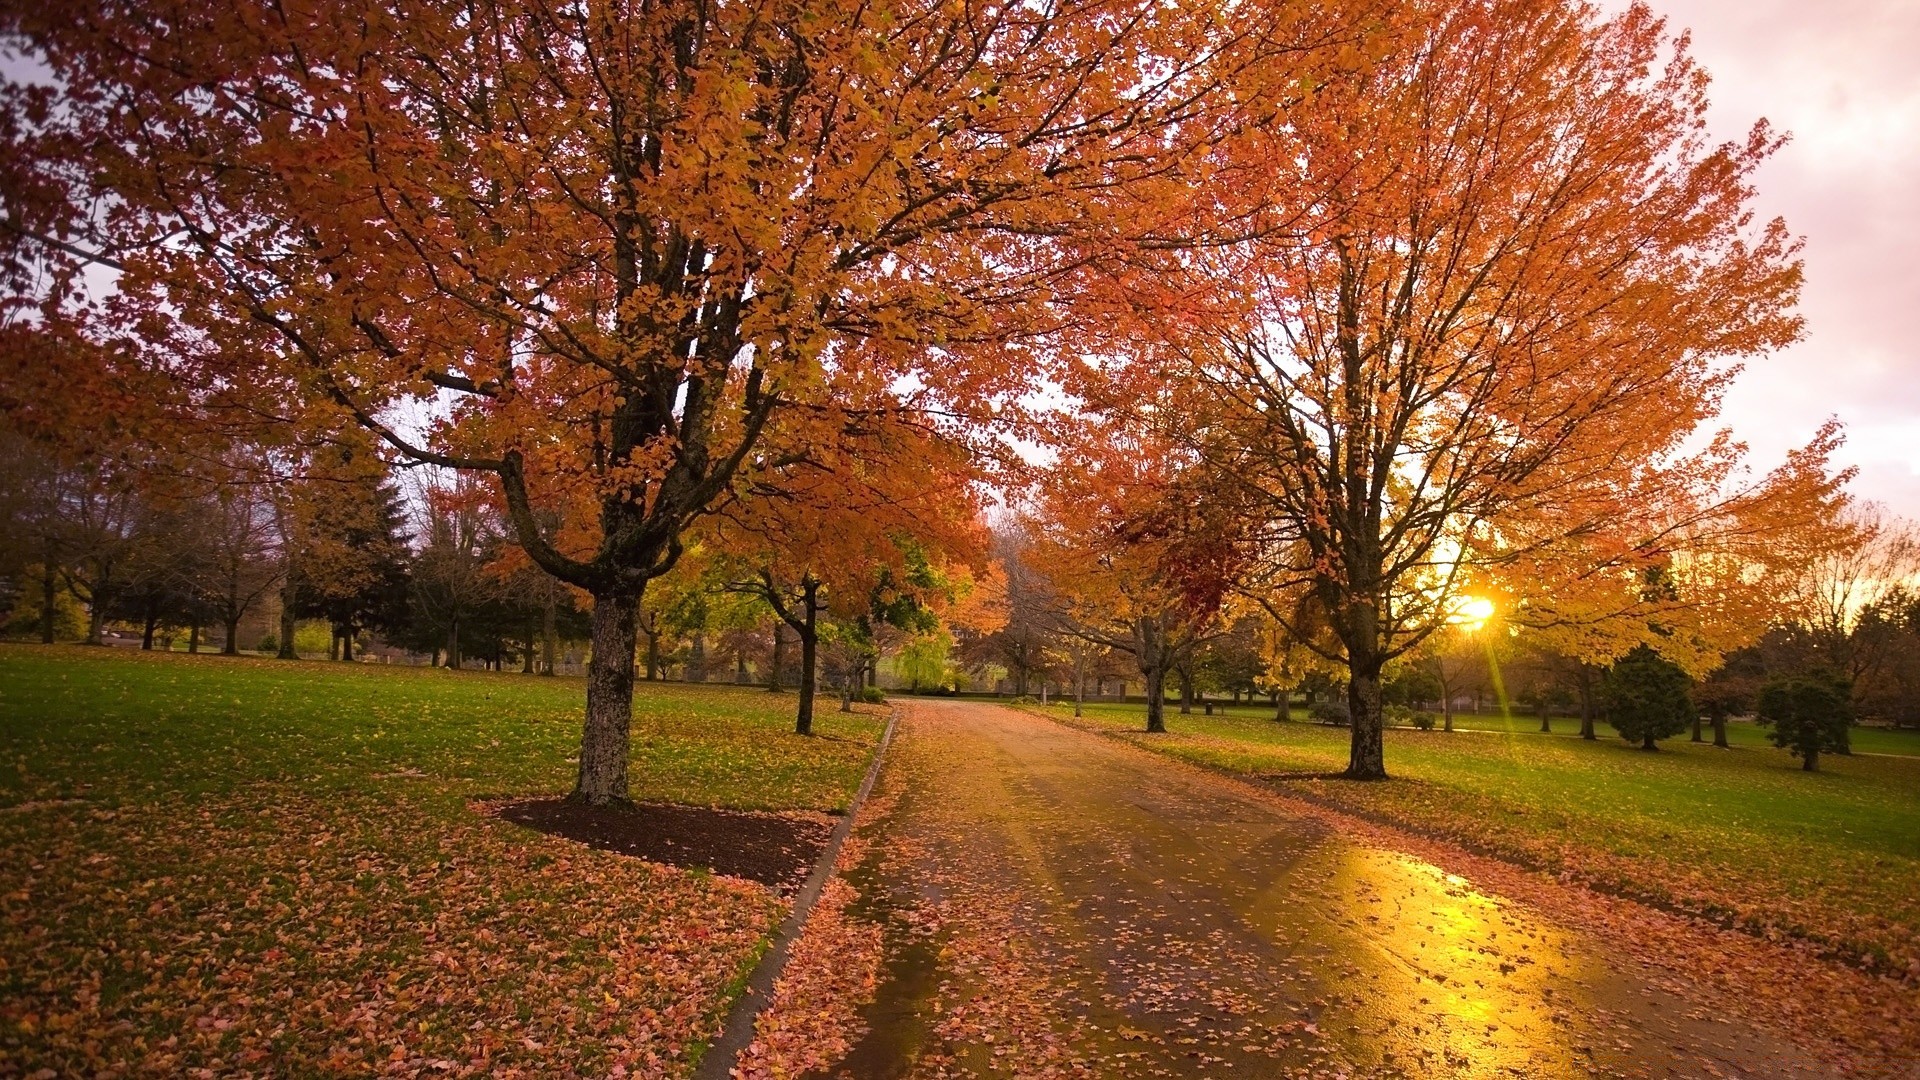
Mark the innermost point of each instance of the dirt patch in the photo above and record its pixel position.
(772, 849)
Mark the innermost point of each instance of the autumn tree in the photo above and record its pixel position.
(1140, 561)
(850, 529)
(1511, 271)
(607, 244)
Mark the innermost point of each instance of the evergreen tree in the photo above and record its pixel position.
(1645, 698)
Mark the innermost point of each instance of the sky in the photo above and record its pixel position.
(1843, 78)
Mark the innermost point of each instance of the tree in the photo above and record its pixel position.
(1876, 558)
(1140, 563)
(1511, 269)
(1645, 698)
(854, 531)
(623, 237)
(1807, 714)
(1730, 689)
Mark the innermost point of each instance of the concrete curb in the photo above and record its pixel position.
(717, 1063)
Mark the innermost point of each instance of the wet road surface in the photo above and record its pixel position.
(1059, 904)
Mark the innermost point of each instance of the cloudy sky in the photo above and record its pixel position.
(1844, 78)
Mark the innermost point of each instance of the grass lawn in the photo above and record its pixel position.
(245, 866)
(1740, 832)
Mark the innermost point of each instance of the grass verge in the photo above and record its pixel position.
(233, 866)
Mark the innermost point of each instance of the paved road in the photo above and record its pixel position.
(1061, 904)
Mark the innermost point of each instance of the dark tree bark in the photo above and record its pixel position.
(1186, 692)
(1366, 759)
(605, 740)
(149, 625)
(549, 637)
(1698, 734)
(1586, 704)
(1720, 728)
(779, 657)
(346, 645)
(805, 623)
(526, 657)
(1810, 762)
(288, 594)
(48, 590)
(231, 647)
(1156, 697)
(651, 627)
(193, 638)
(454, 658)
(1079, 681)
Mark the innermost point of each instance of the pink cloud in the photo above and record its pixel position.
(1842, 79)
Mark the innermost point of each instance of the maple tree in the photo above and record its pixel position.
(606, 244)
(853, 529)
(1139, 562)
(1508, 274)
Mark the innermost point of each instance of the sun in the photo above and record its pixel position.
(1473, 612)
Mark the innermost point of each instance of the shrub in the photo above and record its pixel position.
(1423, 720)
(268, 644)
(871, 695)
(1330, 710)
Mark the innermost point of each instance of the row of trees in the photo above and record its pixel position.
(1345, 313)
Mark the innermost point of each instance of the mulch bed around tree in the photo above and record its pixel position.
(773, 849)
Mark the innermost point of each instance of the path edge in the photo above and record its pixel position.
(737, 1030)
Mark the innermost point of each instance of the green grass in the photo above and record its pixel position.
(225, 862)
(1740, 833)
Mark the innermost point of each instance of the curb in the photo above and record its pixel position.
(737, 1031)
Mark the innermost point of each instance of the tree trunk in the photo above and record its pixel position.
(346, 645)
(1720, 728)
(1156, 698)
(1186, 694)
(1698, 734)
(526, 658)
(333, 643)
(1367, 758)
(653, 650)
(287, 651)
(193, 637)
(740, 677)
(809, 654)
(146, 632)
(1282, 701)
(697, 658)
(1647, 743)
(453, 644)
(1546, 722)
(1586, 707)
(48, 584)
(1810, 762)
(549, 637)
(604, 738)
(779, 657)
(96, 623)
(1079, 682)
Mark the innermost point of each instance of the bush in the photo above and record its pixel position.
(268, 644)
(1807, 714)
(1423, 720)
(871, 695)
(1330, 710)
(1645, 698)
